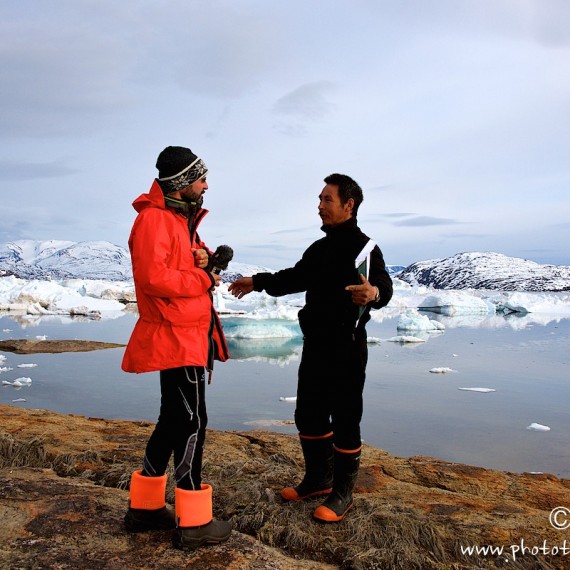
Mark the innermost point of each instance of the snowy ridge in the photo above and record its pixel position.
(487, 270)
(55, 259)
(52, 259)
(259, 315)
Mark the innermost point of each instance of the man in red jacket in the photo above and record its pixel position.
(179, 334)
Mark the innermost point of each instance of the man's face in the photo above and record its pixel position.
(331, 210)
(193, 192)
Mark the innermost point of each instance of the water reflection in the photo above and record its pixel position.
(277, 341)
(408, 411)
(273, 350)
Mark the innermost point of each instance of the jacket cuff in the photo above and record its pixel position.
(258, 281)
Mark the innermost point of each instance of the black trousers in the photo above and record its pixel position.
(329, 391)
(181, 427)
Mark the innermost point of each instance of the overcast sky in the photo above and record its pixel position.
(453, 116)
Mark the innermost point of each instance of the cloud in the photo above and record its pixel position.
(59, 81)
(380, 188)
(549, 20)
(422, 221)
(309, 103)
(397, 215)
(295, 231)
(19, 171)
(451, 108)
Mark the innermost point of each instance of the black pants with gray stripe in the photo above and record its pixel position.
(181, 427)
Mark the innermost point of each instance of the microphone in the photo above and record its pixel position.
(219, 261)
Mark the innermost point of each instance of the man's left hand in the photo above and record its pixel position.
(362, 294)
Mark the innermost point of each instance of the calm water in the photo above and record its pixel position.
(408, 410)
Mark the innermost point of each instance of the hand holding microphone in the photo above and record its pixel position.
(201, 258)
(220, 260)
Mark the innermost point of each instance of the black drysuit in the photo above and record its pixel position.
(333, 363)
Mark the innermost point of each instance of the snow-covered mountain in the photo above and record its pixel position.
(28, 259)
(53, 259)
(394, 269)
(487, 270)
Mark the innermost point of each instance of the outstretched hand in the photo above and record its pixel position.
(241, 287)
(362, 294)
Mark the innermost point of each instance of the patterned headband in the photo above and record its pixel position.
(194, 171)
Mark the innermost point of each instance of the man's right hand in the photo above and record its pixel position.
(241, 287)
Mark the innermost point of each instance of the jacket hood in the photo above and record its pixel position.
(154, 199)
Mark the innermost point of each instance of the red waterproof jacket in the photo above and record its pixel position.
(177, 323)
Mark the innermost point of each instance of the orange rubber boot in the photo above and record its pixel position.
(195, 525)
(147, 504)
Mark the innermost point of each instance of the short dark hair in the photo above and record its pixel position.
(347, 188)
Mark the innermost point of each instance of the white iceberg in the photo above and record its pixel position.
(453, 303)
(406, 339)
(537, 427)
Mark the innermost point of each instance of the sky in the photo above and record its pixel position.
(452, 115)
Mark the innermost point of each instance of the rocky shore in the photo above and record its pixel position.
(63, 494)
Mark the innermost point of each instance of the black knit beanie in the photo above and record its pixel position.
(178, 167)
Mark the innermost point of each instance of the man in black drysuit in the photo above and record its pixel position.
(333, 363)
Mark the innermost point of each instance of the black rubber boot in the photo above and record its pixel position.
(339, 502)
(140, 520)
(194, 537)
(318, 479)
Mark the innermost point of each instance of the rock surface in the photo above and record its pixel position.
(28, 346)
(63, 494)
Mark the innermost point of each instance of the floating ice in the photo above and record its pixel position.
(39, 298)
(19, 400)
(442, 370)
(42, 337)
(405, 339)
(537, 427)
(482, 390)
(27, 365)
(5, 369)
(413, 321)
(452, 303)
(18, 383)
(288, 398)
(43, 297)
